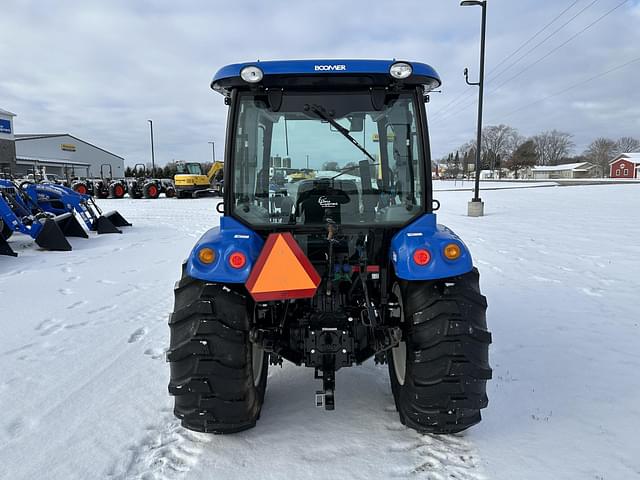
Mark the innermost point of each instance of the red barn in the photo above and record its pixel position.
(625, 165)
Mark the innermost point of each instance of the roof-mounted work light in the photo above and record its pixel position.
(251, 74)
(400, 70)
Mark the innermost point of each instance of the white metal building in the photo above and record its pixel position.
(569, 170)
(63, 154)
(7, 145)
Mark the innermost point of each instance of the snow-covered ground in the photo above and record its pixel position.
(83, 379)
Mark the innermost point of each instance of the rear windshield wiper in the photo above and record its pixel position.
(321, 112)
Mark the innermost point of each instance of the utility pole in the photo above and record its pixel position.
(213, 151)
(153, 156)
(307, 162)
(476, 205)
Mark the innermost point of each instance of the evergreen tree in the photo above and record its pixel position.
(524, 156)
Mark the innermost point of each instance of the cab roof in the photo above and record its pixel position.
(323, 72)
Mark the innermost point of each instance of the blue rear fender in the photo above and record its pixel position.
(425, 233)
(231, 236)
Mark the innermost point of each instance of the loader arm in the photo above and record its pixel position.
(213, 171)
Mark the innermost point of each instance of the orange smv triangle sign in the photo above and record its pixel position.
(282, 271)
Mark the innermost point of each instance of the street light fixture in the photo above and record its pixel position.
(153, 156)
(476, 205)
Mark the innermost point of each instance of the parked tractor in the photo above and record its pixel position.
(20, 213)
(106, 186)
(336, 268)
(59, 200)
(141, 184)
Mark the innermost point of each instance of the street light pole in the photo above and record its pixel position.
(476, 205)
(213, 151)
(153, 156)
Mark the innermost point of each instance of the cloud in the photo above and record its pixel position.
(99, 70)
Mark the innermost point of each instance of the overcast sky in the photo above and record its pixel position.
(99, 70)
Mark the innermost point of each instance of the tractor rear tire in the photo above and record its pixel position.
(117, 190)
(439, 371)
(218, 377)
(151, 190)
(81, 188)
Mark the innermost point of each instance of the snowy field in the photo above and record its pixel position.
(83, 388)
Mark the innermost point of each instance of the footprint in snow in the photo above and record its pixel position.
(104, 281)
(137, 335)
(106, 308)
(73, 326)
(154, 353)
(75, 305)
(49, 327)
(16, 428)
(591, 292)
(545, 280)
(65, 291)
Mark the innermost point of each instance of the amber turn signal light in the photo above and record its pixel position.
(452, 251)
(206, 255)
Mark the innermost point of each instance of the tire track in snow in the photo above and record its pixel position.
(167, 451)
(435, 457)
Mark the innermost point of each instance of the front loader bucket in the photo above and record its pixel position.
(5, 249)
(51, 237)
(70, 226)
(117, 219)
(103, 225)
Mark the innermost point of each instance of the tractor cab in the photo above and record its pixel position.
(348, 138)
(189, 168)
(328, 253)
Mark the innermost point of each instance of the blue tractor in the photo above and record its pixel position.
(20, 213)
(343, 262)
(58, 200)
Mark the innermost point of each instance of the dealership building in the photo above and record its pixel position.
(7, 141)
(59, 153)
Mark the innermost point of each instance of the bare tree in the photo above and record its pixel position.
(601, 151)
(331, 166)
(552, 146)
(498, 141)
(627, 145)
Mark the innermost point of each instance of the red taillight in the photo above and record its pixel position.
(237, 259)
(421, 256)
